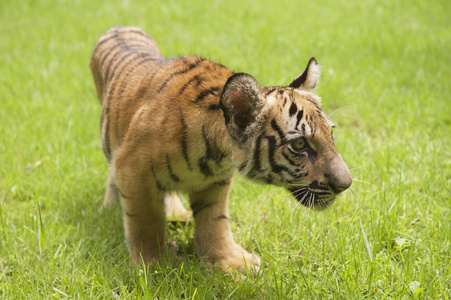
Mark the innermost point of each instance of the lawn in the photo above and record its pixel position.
(386, 83)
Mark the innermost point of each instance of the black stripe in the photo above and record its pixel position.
(299, 117)
(297, 175)
(190, 67)
(112, 61)
(126, 46)
(243, 166)
(211, 151)
(105, 55)
(293, 109)
(157, 182)
(125, 82)
(102, 117)
(269, 92)
(257, 154)
(115, 34)
(221, 183)
(195, 78)
(290, 161)
(268, 179)
(170, 170)
(109, 74)
(271, 151)
(275, 167)
(118, 63)
(203, 166)
(131, 71)
(205, 93)
(159, 185)
(198, 207)
(313, 128)
(213, 107)
(319, 113)
(279, 131)
(106, 39)
(107, 146)
(184, 141)
(140, 32)
(127, 29)
(140, 49)
(130, 41)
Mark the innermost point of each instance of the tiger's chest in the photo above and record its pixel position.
(191, 163)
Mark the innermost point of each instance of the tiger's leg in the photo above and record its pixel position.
(174, 207)
(213, 238)
(145, 225)
(110, 190)
(143, 210)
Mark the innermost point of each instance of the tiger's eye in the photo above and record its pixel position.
(298, 144)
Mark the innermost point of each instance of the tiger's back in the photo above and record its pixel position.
(187, 124)
(130, 73)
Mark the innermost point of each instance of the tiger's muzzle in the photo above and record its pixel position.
(320, 194)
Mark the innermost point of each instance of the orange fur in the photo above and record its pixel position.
(187, 124)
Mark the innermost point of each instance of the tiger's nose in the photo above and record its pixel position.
(340, 178)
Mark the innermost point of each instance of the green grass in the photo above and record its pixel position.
(386, 74)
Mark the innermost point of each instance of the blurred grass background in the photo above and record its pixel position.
(386, 73)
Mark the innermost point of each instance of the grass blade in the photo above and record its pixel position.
(40, 231)
(368, 246)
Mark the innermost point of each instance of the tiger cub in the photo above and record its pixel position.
(187, 124)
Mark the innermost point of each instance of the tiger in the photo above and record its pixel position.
(188, 124)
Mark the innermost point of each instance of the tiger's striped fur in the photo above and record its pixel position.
(187, 124)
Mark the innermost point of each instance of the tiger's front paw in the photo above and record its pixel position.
(240, 260)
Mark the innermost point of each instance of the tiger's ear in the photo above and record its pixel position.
(242, 103)
(309, 78)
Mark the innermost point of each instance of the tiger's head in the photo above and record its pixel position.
(281, 136)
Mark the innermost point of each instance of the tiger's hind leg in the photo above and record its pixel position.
(213, 238)
(110, 190)
(175, 208)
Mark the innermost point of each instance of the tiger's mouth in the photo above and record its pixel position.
(314, 197)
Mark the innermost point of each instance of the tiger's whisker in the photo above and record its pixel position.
(363, 181)
(338, 109)
(354, 186)
(361, 165)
